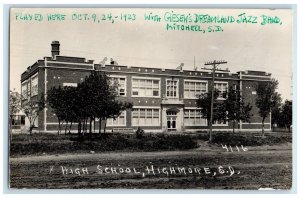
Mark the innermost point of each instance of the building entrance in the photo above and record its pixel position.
(171, 120)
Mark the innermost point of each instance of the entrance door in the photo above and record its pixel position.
(171, 121)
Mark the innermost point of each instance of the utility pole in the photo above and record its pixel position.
(214, 65)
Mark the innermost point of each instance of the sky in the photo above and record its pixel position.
(138, 42)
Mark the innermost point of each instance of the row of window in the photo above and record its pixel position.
(193, 117)
(139, 117)
(151, 117)
(28, 90)
(144, 87)
(151, 87)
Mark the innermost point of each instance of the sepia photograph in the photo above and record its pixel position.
(150, 98)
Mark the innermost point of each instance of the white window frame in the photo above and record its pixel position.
(118, 77)
(177, 87)
(145, 78)
(200, 81)
(146, 107)
(31, 85)
(118, 120)
(25, 83)
(190, 125)
(221, 82)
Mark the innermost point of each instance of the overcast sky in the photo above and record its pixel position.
(144, 43)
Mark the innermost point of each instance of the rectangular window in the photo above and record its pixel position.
(34, 85)
(172, 88)
(119, 121)
(222, 88)
(193, 117)
(24, 90)
(120, 84)
(192, 89)
(145, 87)
(145, 117)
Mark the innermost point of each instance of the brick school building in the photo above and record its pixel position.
(163, 99)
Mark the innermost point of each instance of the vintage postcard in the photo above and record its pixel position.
(150, 98)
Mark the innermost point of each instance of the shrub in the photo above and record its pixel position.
(60, 144)
(139, 133)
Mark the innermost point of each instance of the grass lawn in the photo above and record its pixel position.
(37, 144)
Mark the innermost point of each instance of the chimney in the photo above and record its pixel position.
(55, 48)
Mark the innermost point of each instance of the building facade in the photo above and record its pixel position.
(163, 99)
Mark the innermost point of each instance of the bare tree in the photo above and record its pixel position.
(32, 108)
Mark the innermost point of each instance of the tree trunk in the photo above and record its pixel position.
(78, 127)
(58, 127)
(207, 126)
(104, 130)
(91, 125)
(100, 125)
(209, 131)
(94, 125)
(263, 128)
(70, 127)
(30, 125)
(30, 129)
(86, 125)
(233, 125)
(83, 127)
(66, 128)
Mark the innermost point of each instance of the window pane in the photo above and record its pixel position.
(142, 121)
(135, 121)
(186, 121)
(135, 113)
(198, 86)
(192, 93)
(155, 113)
(135, 83)
(148, 92)
(135, 92)
(155, 84)
(122, 81)
(186, 85)
(142, 83)
(149, 113)
(155, 122)
(122, 121)
(203, 87)
(142, 113)
(142, 92)
(186, 94)
(192, 113)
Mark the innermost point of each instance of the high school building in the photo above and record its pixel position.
(163, 99)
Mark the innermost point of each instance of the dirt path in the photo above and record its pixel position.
(205, 168)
